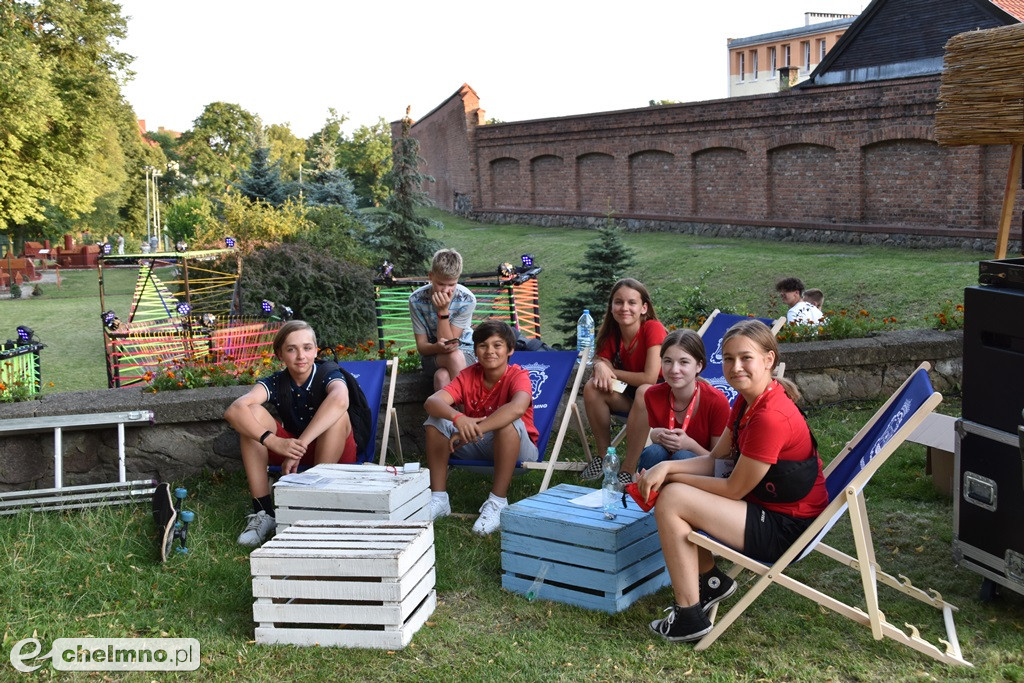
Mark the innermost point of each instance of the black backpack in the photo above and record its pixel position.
(358, 408)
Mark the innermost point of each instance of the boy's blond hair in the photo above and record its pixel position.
(447, 263)
(814, 296)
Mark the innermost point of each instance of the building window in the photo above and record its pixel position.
(821, 50)
(771, 61)
(806, 45)
(741, 64)
(786, 56)
(753, 63)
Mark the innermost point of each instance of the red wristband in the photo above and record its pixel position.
(457, 416)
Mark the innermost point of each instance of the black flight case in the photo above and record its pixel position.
(988, 494)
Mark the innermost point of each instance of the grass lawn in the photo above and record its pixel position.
(909, 285)
(94, 574)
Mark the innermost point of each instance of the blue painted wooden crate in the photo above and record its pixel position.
(591, 561)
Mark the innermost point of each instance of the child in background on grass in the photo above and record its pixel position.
(815, 297)
(442, 316)
(773, 495)
(314, 428)
(685, 415)
(791, 291)
(628, 344)
(485, 413)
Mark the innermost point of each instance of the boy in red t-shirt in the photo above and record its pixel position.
(495, 422)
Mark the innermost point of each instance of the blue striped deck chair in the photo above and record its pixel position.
(845, 478)
(371, 375)
(549, 375)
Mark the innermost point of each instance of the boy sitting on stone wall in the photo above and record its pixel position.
(315, 427)
(442, 316)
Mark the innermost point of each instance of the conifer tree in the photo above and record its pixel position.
(400, 235)
(606, 260)
(329, 186)
(262, 182)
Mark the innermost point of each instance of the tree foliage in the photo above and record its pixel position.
(367, 160)
(252, 224)
(606, 260)
(69, 146)
(332, 295)
(189, 216)
(219, 145)
(286, 149)
(400, 234)
(262, 182)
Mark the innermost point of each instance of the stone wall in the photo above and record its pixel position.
(189, 434)
(817, 163)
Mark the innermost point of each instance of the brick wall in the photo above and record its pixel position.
(856, 158)
(446, 139)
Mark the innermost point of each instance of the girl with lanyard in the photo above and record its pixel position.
(685, 415)
(627, 352)
(775, 492)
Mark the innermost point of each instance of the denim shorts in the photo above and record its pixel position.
(484, 448)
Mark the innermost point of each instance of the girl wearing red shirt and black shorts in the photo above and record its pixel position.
(627, 350)
(775, 492)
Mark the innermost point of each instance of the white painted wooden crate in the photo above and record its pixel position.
(355, 492)
(344, 583)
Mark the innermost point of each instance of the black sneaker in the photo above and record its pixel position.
(683, 624)
(715, 586)
(594, 469)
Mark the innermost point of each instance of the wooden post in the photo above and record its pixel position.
(1006, 215)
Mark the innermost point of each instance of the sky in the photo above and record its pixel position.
(290, 62)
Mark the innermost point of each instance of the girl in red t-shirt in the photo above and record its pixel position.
(684, 415)
(775, 492)
(627, 350)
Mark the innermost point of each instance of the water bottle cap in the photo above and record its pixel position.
(586, 311)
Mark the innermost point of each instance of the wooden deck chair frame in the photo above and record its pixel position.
(775, 326)
(571, 412)
(865, 562)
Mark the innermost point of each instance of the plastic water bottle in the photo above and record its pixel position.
(612, 496)
(585, 333)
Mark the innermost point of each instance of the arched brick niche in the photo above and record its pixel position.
(802, 182)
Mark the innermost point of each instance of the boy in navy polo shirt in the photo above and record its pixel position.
(324, 429)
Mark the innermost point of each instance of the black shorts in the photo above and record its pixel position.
(630, 393)
(769, 534)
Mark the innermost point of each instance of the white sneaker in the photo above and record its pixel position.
(439, 507)
(257, 529)
(490, 517)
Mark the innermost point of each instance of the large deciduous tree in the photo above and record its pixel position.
(69, 145)
(219, 145)
(367, 159)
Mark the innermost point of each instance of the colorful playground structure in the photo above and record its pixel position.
(192, 314)
(509, 293)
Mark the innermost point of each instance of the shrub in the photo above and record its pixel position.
(37, 290)
(192, 373)
(368, 350)
(840, 324)
(337, 231)
(334, 296)
(949, 317)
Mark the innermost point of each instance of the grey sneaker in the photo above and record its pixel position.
(594, 469)
(439, 508)
(257, 529)
(490, 517)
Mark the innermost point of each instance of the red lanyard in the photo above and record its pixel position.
(749, 410)
(692, 406)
